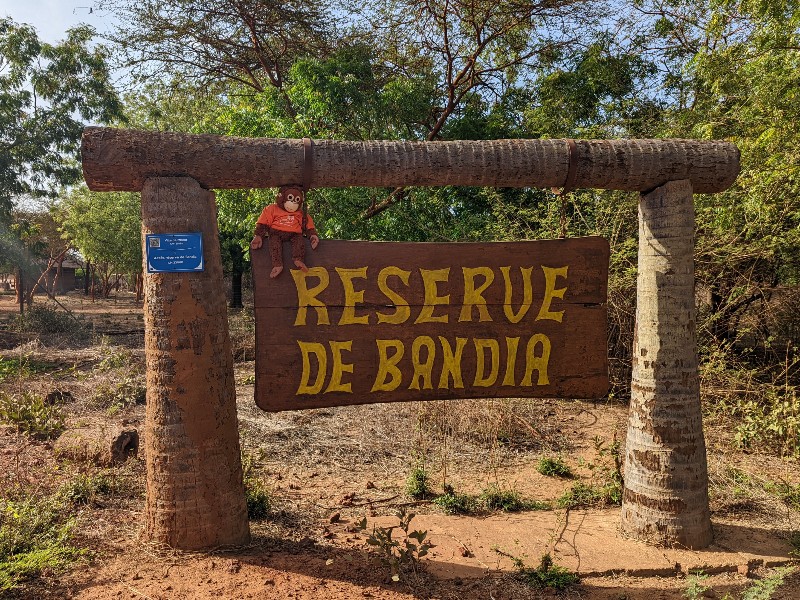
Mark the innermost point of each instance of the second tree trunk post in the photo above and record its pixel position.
(195, 495)
(666, 476)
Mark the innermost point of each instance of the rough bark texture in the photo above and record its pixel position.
(666, 480)
(119, 159)
(195, 494)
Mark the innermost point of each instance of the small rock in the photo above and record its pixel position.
(370, 485)
(269, 582)
(458, 581)
(136, 576)
(465, 551)
(294, 486)
(334, 518)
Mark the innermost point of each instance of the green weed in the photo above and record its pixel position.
(257, 494)
(86, 489)
(417, 484)
(580, 495)
(546, 575)
(553, 467)
(762, 589)
(694, 586)
(121, 394)
(398, 552)
(34, 537)
(22, 367)
(31, 415)
(454, 503)
(493, 498)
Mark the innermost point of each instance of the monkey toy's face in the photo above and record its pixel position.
(292, 199)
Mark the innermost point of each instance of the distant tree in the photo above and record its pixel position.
(105, 227)
(47, 91)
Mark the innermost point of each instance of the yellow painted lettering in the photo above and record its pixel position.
(527, 294)
(422, 370)
(339, 368)
(308, 297)
(318, 350)
(511, 360)
(481, 345)
(451, 363)
(402, 311)
(430, 278)
(387, 368)
(537, 363)
(550, 292)
(352, 296)
(473, 297)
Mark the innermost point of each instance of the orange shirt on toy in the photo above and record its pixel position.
(274, 217)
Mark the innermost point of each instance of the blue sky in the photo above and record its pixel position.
(52, 18)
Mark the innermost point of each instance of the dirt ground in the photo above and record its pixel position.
(326, 469)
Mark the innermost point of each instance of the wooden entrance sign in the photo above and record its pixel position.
(385, 322)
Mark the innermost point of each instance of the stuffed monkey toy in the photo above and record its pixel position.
(284, 221)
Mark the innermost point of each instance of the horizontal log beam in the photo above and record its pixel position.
(122, 159)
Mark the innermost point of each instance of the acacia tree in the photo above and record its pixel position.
(247, 42)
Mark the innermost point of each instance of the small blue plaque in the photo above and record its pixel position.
(174, 252)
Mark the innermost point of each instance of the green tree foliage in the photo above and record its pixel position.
(46, 93)
(106, 228)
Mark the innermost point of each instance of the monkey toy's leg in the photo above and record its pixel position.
(276, 239)
(299, 252)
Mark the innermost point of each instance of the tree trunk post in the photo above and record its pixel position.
(665, 500)
(195, 493)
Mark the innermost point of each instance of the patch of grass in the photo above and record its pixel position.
(554, 467)
(257, 494)
(581, 495)
(34, 538)
(762, 589)
(453, 503)
(417, 484)
(695, 587)
(119, 395)
(23, 367)
(31, 415)
(547, 574)
(493, 498)
(86, 489)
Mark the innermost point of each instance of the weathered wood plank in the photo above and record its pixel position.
(122, 159)
(363, 303)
